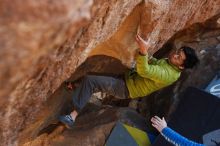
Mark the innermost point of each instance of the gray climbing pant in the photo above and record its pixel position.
(93, 83)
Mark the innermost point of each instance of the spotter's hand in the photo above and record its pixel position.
(158, 123)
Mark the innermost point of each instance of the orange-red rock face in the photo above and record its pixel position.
(43, 42)
(30, 29)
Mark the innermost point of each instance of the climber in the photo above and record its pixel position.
(145, 79)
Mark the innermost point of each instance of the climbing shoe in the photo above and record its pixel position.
(67, 121)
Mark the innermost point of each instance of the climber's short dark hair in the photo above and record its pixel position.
(191, 57)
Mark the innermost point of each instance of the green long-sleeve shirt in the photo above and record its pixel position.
(150, 77)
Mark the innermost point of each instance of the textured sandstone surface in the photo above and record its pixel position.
(44, 42)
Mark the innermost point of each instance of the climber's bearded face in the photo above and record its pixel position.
(177, 58)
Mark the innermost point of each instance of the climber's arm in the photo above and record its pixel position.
(143, 45)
